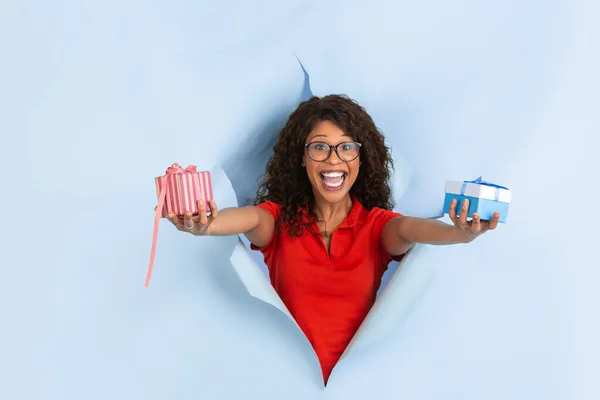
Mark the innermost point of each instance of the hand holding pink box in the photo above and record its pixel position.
(179, 192)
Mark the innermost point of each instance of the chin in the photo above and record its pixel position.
(333, 197)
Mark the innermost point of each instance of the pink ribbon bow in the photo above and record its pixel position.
(178, 169)
(173, 169)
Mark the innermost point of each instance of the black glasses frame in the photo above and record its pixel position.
(331, 149)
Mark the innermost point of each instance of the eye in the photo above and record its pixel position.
(320, 147)
(347, 146)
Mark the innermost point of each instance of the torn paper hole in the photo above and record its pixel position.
(408, 282)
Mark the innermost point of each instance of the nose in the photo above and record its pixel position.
(333, 158)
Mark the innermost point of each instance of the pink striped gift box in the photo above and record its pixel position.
(184, 187)
(178, 192)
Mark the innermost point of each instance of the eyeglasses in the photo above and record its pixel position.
(321, 151)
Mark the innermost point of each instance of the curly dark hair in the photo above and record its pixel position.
(285, 181)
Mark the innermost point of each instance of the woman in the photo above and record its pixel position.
(323, 220)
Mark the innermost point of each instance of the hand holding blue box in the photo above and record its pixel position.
(485, 198)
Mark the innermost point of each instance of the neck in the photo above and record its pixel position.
(326, 211)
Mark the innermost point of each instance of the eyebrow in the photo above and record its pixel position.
(323, 135)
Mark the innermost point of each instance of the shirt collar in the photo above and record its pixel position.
(357, 214)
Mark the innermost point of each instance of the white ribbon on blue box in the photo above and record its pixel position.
(485, 198)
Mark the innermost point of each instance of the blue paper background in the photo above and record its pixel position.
(96, 98)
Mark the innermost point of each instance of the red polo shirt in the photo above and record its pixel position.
(329, 295)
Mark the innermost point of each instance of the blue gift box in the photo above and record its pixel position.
(485, 198)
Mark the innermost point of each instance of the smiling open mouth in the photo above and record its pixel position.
(333, 180)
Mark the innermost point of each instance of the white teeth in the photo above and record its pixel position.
(334, 185)
(332, 174)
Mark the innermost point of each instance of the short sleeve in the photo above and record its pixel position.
(268, 250)
(383, 217)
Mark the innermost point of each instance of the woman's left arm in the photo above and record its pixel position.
(399, 234)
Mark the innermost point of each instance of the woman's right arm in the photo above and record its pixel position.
(254, 222)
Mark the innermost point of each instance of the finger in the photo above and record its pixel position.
(188, 221)
(202, 212)
(494, 222)
(463, 212)
(476, 225)
(176, 221)
(452, 211)
(213, 208)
